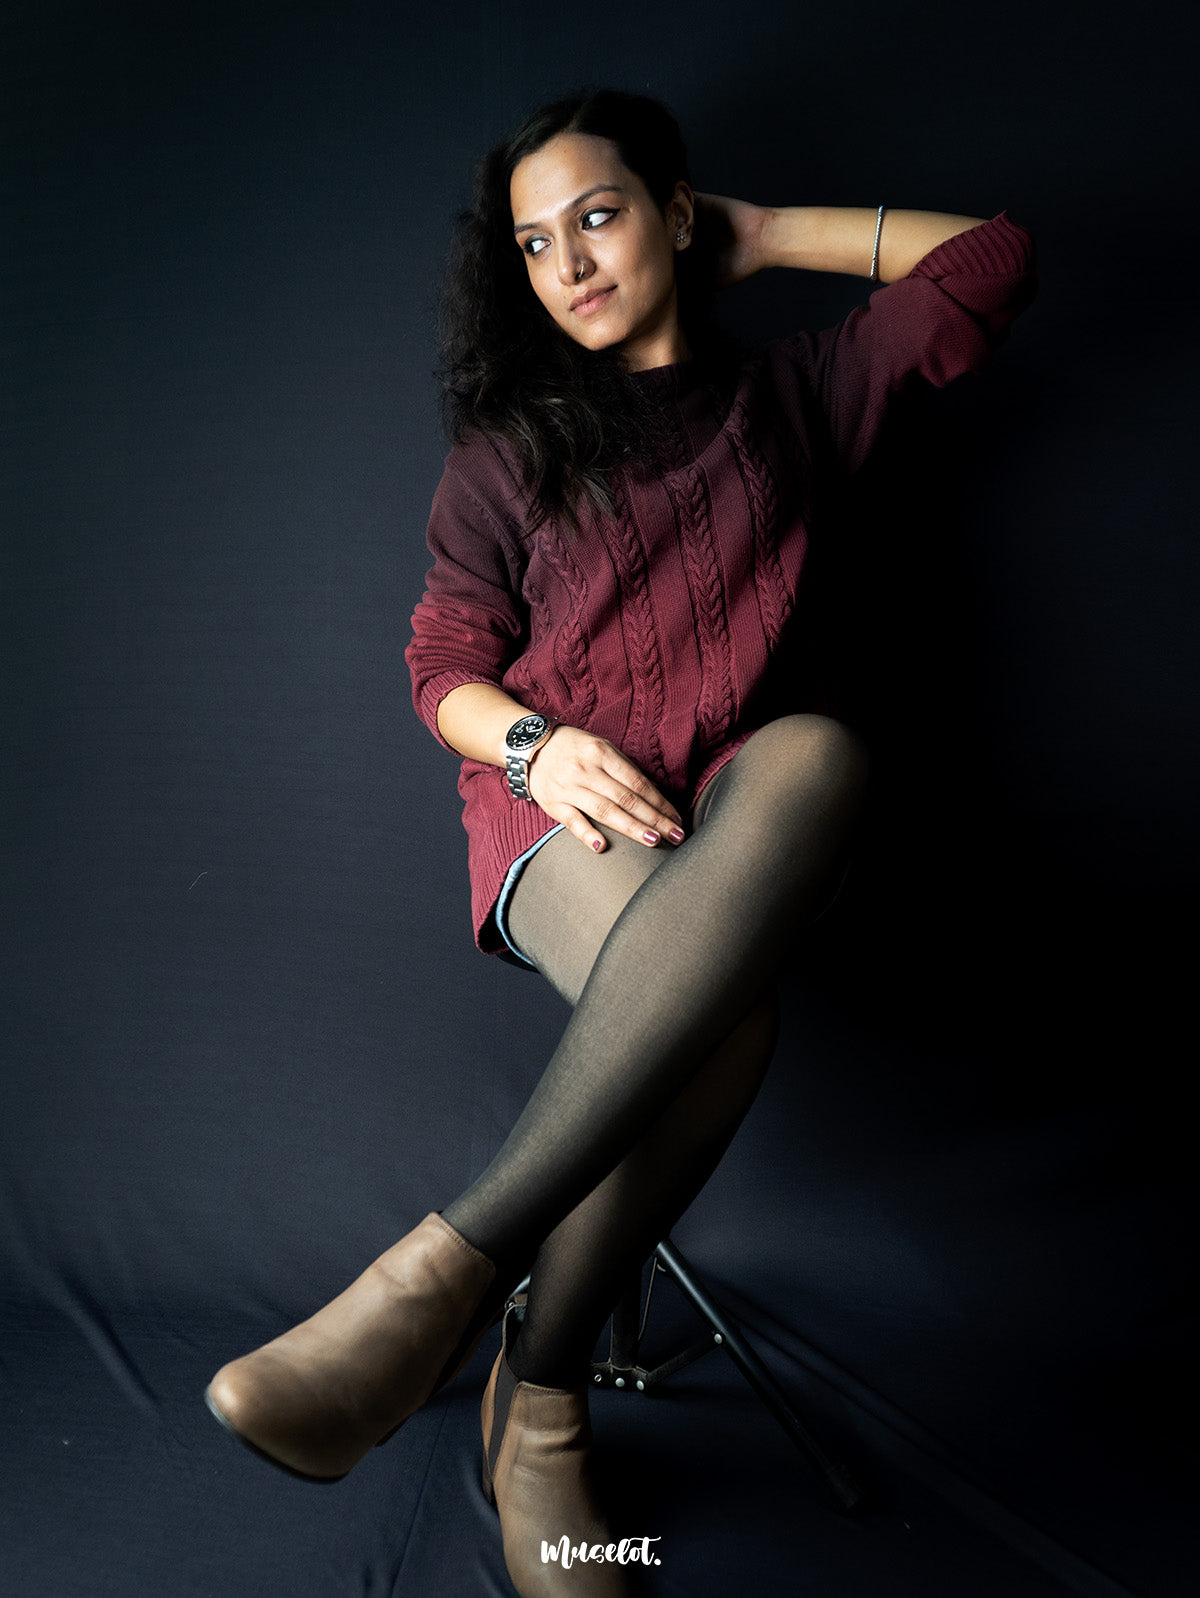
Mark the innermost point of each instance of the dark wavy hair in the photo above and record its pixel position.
(572, 416)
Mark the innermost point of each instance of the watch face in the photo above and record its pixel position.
(526, 732)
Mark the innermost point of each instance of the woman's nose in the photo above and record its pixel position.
(573, 265)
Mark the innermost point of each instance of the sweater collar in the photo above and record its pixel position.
(669, 382)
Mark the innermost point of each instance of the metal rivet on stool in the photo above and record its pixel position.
(628, 1325)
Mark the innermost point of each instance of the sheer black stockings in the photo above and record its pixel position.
(668, 956)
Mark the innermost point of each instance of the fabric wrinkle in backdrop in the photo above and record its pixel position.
(247, 1039)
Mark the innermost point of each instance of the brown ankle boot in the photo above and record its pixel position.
(536, 1470)
(318, 1398)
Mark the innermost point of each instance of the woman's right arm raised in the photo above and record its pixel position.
(574, 776)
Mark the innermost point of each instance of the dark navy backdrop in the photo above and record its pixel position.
(248, 1041)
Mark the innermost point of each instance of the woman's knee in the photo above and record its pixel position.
(837, 752)
(816, 738)
(810, 752)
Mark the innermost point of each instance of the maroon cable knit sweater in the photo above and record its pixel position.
(658, 629)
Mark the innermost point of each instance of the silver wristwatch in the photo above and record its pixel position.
(525, 738)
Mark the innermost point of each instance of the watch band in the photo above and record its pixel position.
(525, 737)
(517, 767)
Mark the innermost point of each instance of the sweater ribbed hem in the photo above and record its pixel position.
(512, 829)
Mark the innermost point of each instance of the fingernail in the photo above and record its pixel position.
(597, 844)
(676, 834)
(651, 838)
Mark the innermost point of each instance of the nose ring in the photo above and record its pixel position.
(579, 271)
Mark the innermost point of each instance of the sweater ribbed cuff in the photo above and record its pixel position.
(431, 693)
(999, 248)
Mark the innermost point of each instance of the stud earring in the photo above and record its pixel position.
(681, 237)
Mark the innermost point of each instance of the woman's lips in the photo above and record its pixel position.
(592, 304)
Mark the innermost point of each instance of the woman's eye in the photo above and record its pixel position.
(536, 246)
(593, 219)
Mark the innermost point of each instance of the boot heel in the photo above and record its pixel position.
(497, 1395)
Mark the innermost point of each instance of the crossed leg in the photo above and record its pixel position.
(664, 953)
(581, 1268)
(662, 1056)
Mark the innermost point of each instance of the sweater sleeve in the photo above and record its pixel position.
(942, 320)
(470, 621)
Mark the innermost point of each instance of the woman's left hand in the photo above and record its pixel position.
(736, 229)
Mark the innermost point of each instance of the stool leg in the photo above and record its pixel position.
(837, 1477)
(626, 1335)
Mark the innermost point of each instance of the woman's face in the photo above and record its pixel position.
(600, 254)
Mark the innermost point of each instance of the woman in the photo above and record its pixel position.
(653, 805)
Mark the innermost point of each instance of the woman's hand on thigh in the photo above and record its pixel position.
(582, 780)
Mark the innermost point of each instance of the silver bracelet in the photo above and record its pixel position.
(875, 251)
